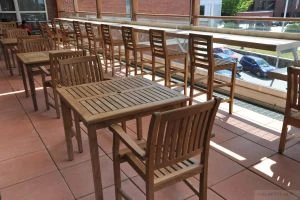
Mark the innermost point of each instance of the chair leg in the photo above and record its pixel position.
(78, 133)
(192, 85)
(210, 84)
(127, 67)
(45, 92)
(139, 128)
(116, 164)
(283, 137)
(56, 104)
(232, 87)
(185, 75)
(153, 68)
(149, 192)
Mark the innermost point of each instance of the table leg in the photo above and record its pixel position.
(20, 65)
(5, 55)
(67, 120)
(95, 162)
(32, 86)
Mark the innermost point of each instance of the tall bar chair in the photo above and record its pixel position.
(292, 108)
(109, 45)
(81, 37)
(201, 58)
(94, 39)
(160, 50)
(131, 46)
(67, 35)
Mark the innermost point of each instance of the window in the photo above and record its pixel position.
(31, 5)
(18, 10)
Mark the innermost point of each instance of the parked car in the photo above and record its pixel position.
(256, 65)
(226, 51)
(224, 56)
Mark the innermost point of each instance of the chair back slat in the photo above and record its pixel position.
(80, 70)
(293, 91)
(201, 51)
(180, 134)
(38, 44)
(158, 43)
(128, 38)
(16, 32)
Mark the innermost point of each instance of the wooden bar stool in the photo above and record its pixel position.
(130, 45)
(80, 36)
(94, 39)
(109, 45)
(201, 58)
(160, 50)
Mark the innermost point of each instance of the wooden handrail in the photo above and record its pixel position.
(161, 15)
(250, 18)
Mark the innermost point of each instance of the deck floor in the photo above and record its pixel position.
(243, 161)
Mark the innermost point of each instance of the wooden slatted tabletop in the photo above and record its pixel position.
(102, 103)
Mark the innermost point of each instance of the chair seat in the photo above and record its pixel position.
(165, 174)
(174, 53)
(141, 47)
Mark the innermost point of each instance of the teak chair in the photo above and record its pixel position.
(131, 46)
(160, 50)
(54, 74)
(67, 35)
(109, 52)
(201, 58)
(94, 38)
(81, 37)
(292, 108)
(175, 139)
(81, 70)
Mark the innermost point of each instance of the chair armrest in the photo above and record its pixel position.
(45, 71)
(120, 133)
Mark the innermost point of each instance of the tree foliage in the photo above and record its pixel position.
(231, 7)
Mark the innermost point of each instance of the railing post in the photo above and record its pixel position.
(134, 9)
(59, 6)
(99, 8)
(75, 3)
(195, 11)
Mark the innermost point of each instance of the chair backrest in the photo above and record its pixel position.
(201, 51)
(16, 32)
(128, 38)
(80, 70)
(106, 34)
(293, 89)
(54, 65)
(180, 134)
(20, 41)
(94, 37)
(158, 43)
(37, 44)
